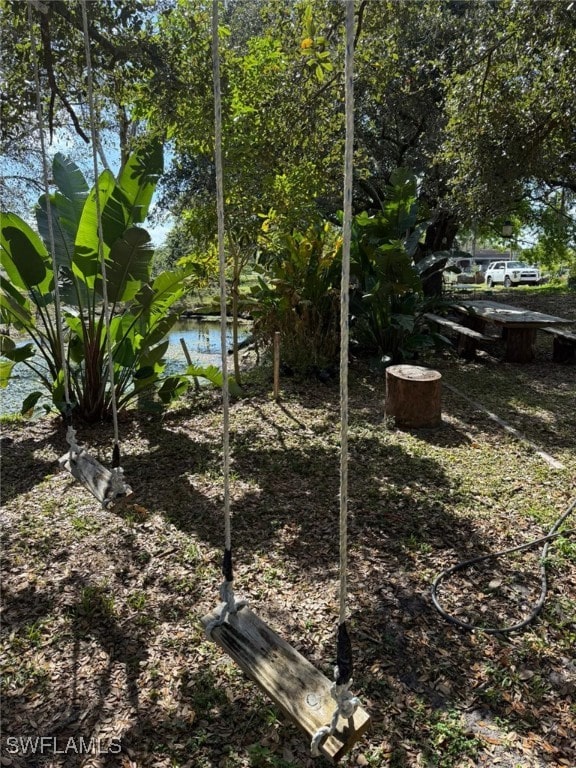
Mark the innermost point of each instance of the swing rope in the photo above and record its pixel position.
(106, 307)
(346, 703)
(71, 433)
(226, 589)
(106, 486)
(51, 238)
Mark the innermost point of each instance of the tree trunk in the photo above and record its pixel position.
(413, 396)
(439, 237)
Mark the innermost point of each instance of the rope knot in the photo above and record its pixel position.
(75, 449)
(117, 487)
(346, 701)
(229, 605)
(346, 706)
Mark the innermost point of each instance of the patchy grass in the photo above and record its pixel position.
(101, 628)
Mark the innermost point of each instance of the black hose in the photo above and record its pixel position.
(554, 533)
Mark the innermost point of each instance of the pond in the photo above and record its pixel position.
(202, 338)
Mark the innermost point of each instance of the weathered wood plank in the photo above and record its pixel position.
(468, 337)
(564, 344)
(561, 333)
(94, 477)
(287, 678)
(458, 327)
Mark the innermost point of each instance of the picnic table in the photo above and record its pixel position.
(518, 325)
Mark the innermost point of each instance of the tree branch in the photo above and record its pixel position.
(54, 89)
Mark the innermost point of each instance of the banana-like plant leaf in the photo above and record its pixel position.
(155, 354)
(214, 375)
(69, 179)
(73, 292)
(6, 344)
(16, 353)
(411, 243)
(23, 255)
(29, 403)
(161, 328)
(173, 387)
(436, 259)
(76, 347)
(128, 265)
(6, 367)
(87, 263)
(64, 227)
(139, 177)
(15, 304)
(66, 207)
(166, 288)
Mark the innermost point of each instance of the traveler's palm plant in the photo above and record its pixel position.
(139, 307)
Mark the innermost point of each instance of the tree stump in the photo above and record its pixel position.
(413, 396)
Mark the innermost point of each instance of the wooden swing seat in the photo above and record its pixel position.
(286, 677)
(101, 483)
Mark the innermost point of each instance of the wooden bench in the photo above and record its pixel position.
(468, 338)
(564, 345)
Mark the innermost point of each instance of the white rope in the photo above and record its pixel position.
(222, 269)
(345, 302)
(51, 239)
(346, 703)
(95, 144)
(226, 590)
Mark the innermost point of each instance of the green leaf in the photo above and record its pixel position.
(15, 304)
(164, 291)
(437, 259)
(17, 353)
(155, 355)
(23, 255)
(6, 344)
(139, 177)
(29, 403)
(66, 205)
(86, 255)
(128, 265)
(6, 367)
(161, 328)
(213, 375)
(64, 227)
(173, 387)
(69, 179)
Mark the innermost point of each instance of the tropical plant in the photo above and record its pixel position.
(386, 285)
(300, 297)
(138, 307)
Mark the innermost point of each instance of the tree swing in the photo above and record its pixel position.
(327, 712)
(105, 485)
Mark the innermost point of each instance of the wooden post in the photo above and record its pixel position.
(277, 366)
(413, 396)
(520, 345)
(563, 350)
(189, 361)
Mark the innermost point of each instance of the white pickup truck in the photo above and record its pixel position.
(511, 273)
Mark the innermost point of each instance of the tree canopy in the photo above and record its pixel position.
(475, 97)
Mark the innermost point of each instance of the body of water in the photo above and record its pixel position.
(202, 338)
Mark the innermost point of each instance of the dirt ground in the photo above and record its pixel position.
(105, 662)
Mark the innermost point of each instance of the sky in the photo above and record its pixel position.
(69, 144)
